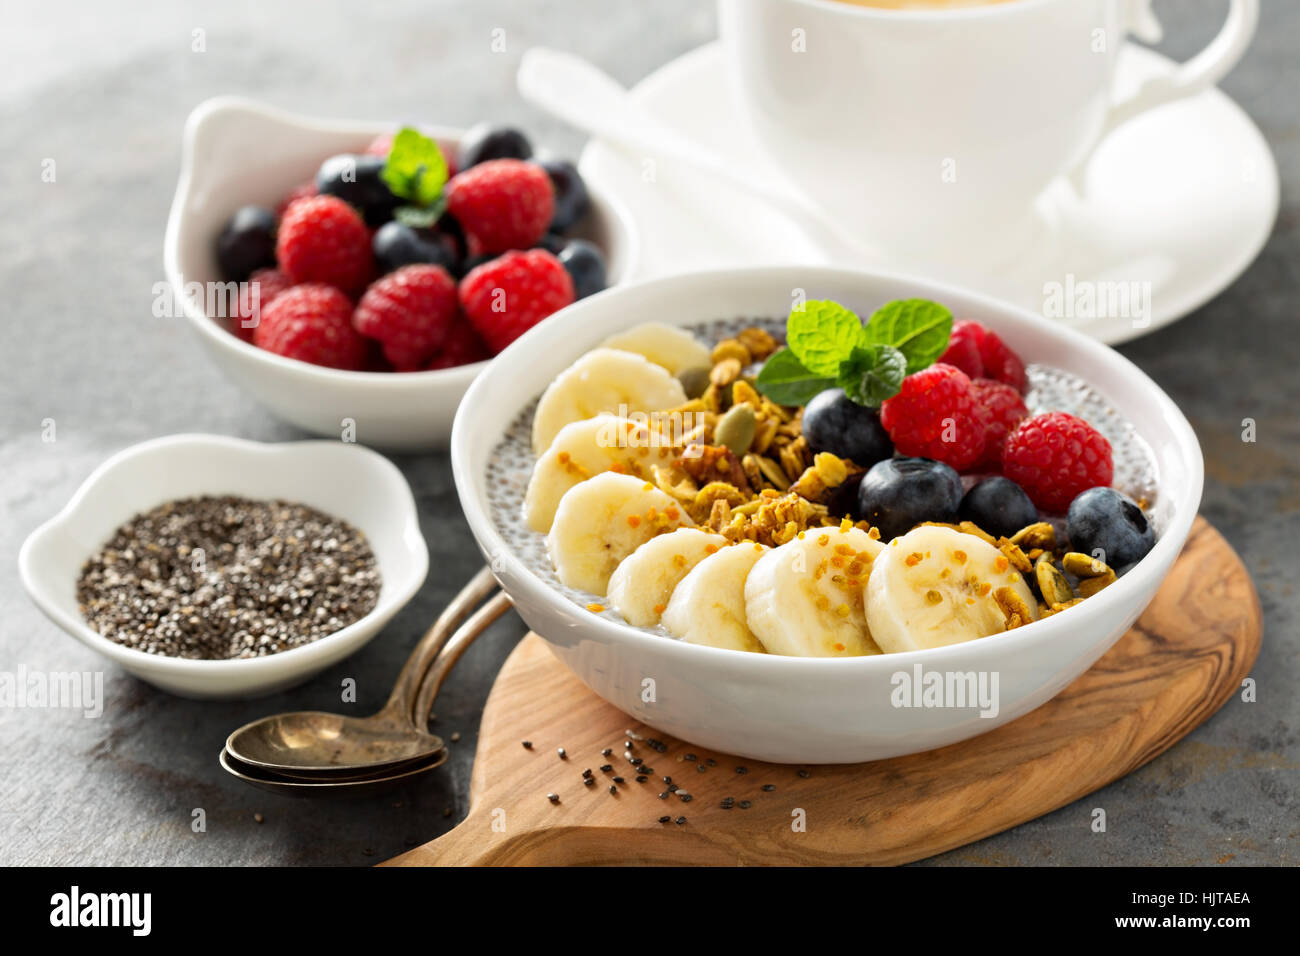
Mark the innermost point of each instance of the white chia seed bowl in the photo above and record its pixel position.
(811, 710)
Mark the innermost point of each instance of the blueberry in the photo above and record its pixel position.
(552, 243)
(247, 243)
(571, 198)
(897, 494)
(357, 180)
(1110, 526)
(586, 267)
(835, 423)
(397, 244)
(485, 141)
(999, 506)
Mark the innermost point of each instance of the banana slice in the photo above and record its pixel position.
(586, 448)
(805, 598)
(603, 380)
(673, 348)
(935, 586)
(601, 521)
(641, 585)
(708, 605)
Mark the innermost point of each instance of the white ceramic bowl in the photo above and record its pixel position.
(237, 152)
(344, 480)
(789, 709)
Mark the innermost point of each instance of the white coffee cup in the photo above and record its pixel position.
(936, 128)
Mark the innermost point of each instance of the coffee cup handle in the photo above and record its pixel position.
(1199, 73)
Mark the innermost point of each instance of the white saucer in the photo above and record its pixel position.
(1182, 197)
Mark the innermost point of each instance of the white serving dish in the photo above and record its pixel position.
(238, 152)
(344, 480)
(808, 710)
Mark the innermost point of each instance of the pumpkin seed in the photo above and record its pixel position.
(1084, 565)
(1040, 534)
(694, 381)
(1051, 582)
(736, 428)
(1090, 586)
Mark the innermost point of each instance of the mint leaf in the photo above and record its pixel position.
(872, 373)
(822, 334)
(421, 217)
(415, 169)
(918, 328)
(785, 381)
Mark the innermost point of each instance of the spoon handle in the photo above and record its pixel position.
(401, 700)
(451, 651)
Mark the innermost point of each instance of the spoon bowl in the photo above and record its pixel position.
(356, 786)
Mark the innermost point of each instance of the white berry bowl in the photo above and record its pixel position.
(806, 709)
(238, 152)
(343, 480)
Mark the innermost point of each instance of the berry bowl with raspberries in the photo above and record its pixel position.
(829, 515)
(354, 278)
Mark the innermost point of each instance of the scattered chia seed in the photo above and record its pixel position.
(648, 771)
(455, 736)
(691, 758)
(553, 797)
(606, 767)
(701, 768)
(664, 795)
(613, 789)
(618, 780)
(805, 774)
(633, 735)
(560, 751)
(672, 788)
(742, 770)
(223, 578)
(641, 778)
(769, 787)
(665, 819)
(711, 762)
(589, 781)
(258, 818)
(667, 779)
(680, 820)
(528, 745)
(607, 751)
(685, 797)
(587, 772)
(744, 804)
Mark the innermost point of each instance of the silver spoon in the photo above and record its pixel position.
(314, 742)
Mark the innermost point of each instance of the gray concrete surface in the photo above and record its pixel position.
(104, 89)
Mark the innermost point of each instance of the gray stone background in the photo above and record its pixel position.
(104, 89)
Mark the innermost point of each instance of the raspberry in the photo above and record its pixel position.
(410, 312)
(964, 348)
(462, 347)
(934, 415)
(1003, 409)
(1000, 363)
(502, 204)
(380, 145)
(269, 283)
(312, 323)
(1055, 457)
(507, 296)
(304, 191)
(322, 239)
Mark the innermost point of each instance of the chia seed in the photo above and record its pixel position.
(226, 578)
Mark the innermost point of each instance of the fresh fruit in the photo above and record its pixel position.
(805, 598)
(260, 290)
(603, 380)
(708, 605)
(1056, 456)
(668, 345)
(1109, 526)
(502, 204)
(301, 191)
(1003, 409)
(1000, 363)
(357, 180)
(963, 349)
(410, 312)
(380, 145)
(396, 244)
(589, 447)
(999, 506)
(643, 582)
(322, 239)
(312, 323)
(835, 423)
(899, 493)
(486, 141)
(601, 521)
(506, 297)
(247, 243)
(586, 265)
(571, 198)
(935, 586)
(934, 415)
(461, 347)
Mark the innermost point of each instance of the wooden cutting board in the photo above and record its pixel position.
(1183, 660)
